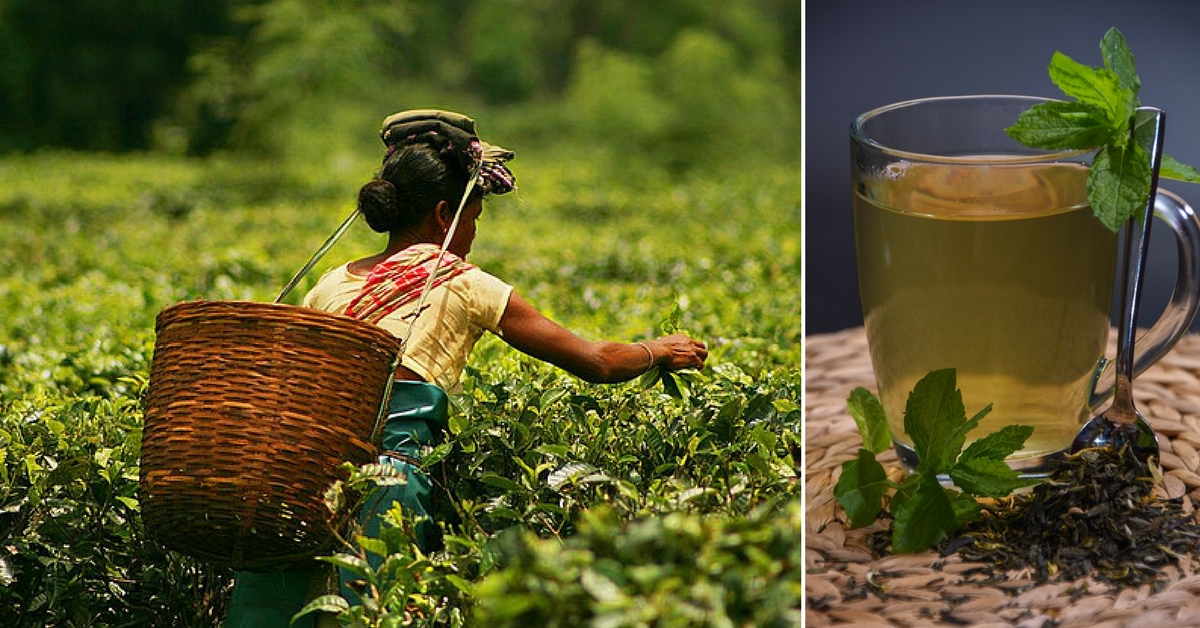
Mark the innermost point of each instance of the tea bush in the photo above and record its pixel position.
(665, 502)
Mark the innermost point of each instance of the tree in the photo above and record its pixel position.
(95, 74)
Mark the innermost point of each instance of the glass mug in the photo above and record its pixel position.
(980, 254)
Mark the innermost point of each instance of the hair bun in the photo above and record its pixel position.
(378, 203)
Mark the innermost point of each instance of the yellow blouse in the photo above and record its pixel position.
(455, 316)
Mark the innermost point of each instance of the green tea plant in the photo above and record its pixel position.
(534, 458)
(674, 570)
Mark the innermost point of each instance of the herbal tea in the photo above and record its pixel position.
(998, 271)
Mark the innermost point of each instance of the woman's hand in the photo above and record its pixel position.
(527, 330)
(677, 351)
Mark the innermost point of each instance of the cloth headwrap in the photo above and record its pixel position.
(455, 134)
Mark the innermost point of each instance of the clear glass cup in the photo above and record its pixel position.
(980, 254)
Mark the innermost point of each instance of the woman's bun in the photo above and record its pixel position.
(377, 200)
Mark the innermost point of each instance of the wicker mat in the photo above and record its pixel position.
(845, 585)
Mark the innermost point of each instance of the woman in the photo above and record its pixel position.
(428, 194)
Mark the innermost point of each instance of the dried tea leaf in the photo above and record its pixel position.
(1096, 515)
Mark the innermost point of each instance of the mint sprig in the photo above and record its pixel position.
(1102, 118)
(925, 512)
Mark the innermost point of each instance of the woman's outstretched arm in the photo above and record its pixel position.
(529, 331)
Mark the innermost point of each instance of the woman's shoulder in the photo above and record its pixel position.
(332, 283)
(481, 278)
(488, 297)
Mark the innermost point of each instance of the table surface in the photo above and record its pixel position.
(846, 585)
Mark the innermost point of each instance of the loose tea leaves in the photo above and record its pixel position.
(1096, 515)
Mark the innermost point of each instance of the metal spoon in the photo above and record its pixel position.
(1121, 424)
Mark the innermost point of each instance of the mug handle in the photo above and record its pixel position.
(1185, 298)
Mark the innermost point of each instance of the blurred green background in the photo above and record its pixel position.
(679, 83)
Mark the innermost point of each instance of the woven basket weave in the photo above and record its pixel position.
(250, 410)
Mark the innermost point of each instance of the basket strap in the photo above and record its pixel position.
(438, 262)
(386, 402)
(383, 406)
(316, 257)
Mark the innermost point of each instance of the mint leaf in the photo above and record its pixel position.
(904, 491)
(1121, 187)
(999, 444)
(871, 421)
(1118, 183)
(861, 488)
(1062, 125)
(981, 469)
(1172, 169)
(959, 435)
(924, 512)
(988, 478)
(966, 509)
(925, 519)
(1095, 86)
(934, 407)
(1144, 127)
(1119, 59)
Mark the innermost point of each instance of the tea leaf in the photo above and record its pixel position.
(351, 563)
(460, 583)
(575, 473)
(649, 378)
(501, 482)
(670, 323)
(1096, 517)
(372, 545)
(671, 386)
(323, 604)
(437, 454)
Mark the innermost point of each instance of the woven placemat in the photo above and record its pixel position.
(846, 585)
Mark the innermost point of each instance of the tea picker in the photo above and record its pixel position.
(252, 407)
(429, 305)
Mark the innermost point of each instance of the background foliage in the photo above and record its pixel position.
(302, 78)
(658, 189)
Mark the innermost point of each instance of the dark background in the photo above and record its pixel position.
(865, 54)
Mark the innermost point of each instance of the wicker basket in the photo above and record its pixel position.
(251, 408)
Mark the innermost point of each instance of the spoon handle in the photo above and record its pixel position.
(1149, 127)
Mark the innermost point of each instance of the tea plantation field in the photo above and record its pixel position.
(568, 504)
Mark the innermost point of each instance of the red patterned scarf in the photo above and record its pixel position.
(399, 279)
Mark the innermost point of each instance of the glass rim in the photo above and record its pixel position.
(856, 132)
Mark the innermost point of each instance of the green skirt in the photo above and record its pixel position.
(417, 415)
